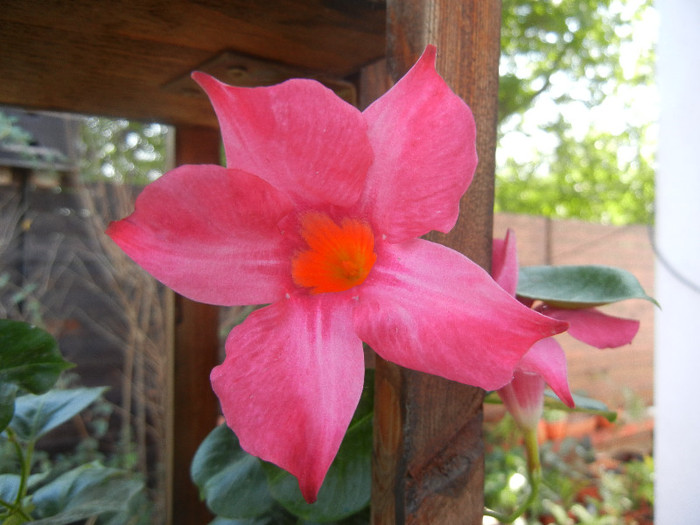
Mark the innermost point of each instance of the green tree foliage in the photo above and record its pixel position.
(561, 62)
(122, 150)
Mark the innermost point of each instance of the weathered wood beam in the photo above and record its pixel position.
(193, 408)
(121, 57)
(428, 449)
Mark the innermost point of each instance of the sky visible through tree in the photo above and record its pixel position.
(578, 110)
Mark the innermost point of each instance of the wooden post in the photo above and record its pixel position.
(428, 450)
(193, 408)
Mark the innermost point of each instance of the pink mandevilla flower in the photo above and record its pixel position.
(545, 362)
(318, 213)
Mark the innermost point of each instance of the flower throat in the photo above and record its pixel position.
(338, 257)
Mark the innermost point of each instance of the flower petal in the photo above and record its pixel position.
(210, 234)
(298, 136)
(423, 136)
(504, 264)
(523, 397)
(596, 328)
(429, 308)
(547, 359)
(290, 384)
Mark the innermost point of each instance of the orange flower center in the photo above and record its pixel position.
(338, 258)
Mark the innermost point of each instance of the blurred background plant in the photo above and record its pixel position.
(50, 491)
(58, 271)
(579, 485)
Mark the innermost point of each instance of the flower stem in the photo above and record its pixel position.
(25, 460)
(534, 475)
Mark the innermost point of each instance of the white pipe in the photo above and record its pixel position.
(677, 349)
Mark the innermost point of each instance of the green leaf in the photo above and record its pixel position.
(37, 415)
(13, 519)
(8, 392)
(365, 406)
(582, 404)
(359, 518)
(9, 485)
(252, 521)
(88, 490)
(9, 488)
(29, 357)
(347, 487)
(231, 481)
(579, 286)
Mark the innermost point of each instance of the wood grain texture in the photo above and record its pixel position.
(428, 449)
(194, 409)
(116, 58)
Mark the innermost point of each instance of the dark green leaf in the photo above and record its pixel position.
(579, 286)
(252, 521)
(366, 405)
(36, 415)
(88, 490)
(230, 480)
(347, 487)
(29, 357)
(8, 392)
(359, 518)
